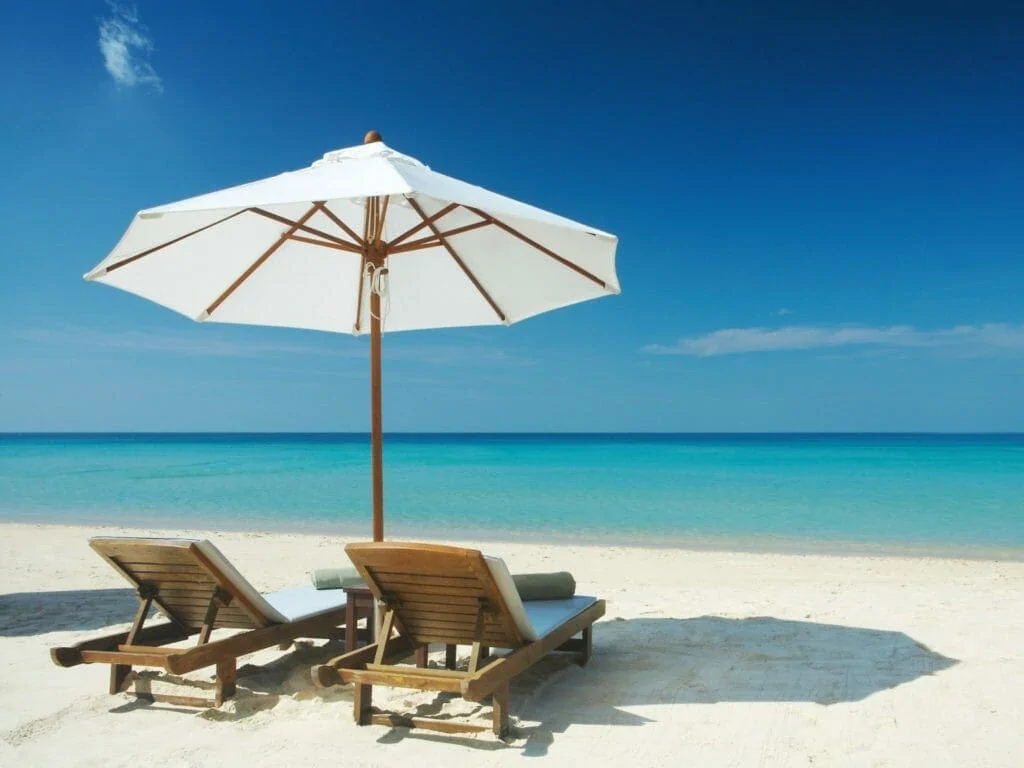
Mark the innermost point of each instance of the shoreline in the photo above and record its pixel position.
(755, 544)
(724, 544)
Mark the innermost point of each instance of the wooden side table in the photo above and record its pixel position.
(359, 604)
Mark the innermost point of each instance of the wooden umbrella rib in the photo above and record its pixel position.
(262, 259)
(137, 256)
(348, 247)
(342, 225)
(427, 221)
(359, 295)
(380, 222)
(433, 242)
(546, 251)
(300, 225)
(465, 268)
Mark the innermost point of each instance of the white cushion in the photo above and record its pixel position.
(547, 615)
(302, 602)
(239, 582)
(536, 618)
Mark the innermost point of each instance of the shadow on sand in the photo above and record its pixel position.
(636, 662)
(711, 659)
(36, 613)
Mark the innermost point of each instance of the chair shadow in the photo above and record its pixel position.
(711, 659)
(260, 687)
(23, 614)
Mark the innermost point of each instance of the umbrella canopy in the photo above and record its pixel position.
(366, 239)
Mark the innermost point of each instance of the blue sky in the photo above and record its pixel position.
(821, 214)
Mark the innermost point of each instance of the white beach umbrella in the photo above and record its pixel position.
(366, 239)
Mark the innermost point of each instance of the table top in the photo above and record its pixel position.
(357, 590)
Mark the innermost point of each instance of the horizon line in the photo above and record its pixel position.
(517, 433)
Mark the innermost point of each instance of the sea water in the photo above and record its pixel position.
(947, 493)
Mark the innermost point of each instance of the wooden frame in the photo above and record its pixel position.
(441, 594)
(198, 597)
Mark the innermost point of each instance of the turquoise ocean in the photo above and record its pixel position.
(955, 494)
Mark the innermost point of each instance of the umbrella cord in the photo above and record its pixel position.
(379, 285)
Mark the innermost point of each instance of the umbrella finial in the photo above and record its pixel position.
(371, 137)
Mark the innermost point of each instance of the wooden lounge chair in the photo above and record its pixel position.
(454, 596)
(191, 583)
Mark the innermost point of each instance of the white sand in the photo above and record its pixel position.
(703, 659)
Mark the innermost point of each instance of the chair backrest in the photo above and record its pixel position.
(438, 591)
(184, 574)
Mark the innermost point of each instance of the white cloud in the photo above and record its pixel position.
(207, 344)
(965, 339)
(126, 46)
(782, 312)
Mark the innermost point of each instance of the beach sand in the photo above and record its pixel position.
(703, 659)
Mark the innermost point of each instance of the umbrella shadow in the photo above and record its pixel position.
(23, 614)
(711, 659)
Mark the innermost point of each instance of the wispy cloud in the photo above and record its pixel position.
(126, 46)
(210, 345)
(783, 311)
(963, 339)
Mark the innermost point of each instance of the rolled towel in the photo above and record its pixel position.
(545, 586)
(335, 578)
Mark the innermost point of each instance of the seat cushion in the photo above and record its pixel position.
(297, 603)
(547, 615)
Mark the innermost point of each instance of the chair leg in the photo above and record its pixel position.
(351, 625)
(588, 646)
(450, 656)
(119, 677)
(362, 703)
(499, 714)
(226, 676)
(421, 655)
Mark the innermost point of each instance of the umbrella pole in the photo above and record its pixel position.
(376, 431)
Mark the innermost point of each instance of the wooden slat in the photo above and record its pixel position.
(137, 554)
(412, 580)
(168, 698)
(150, 649)
(419, 611)
(459, 575)
(429, 589)
(429, 602)
(163, 584)
(172, 577)
(198, 601)
(460, 639)
(124, 657)
(447, 622)
(425, 672)
(401, 680)
(199, 591)
(193, 615)
(396, 720)
(161, 567)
